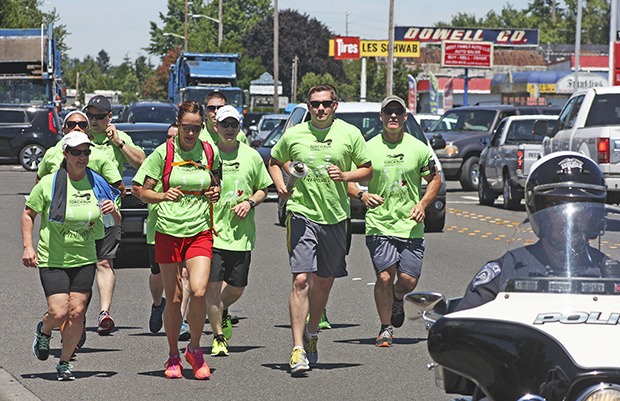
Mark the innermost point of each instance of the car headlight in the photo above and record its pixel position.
(452, 150)
(601, 392)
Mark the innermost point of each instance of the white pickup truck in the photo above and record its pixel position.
(505, 162)
(589, 123)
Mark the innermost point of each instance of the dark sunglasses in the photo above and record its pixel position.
(195, 128)
(326, 103)
(215, 108)
(227, 124)
(78, 152)
(96, 116)
(73, 124)
(389, 112)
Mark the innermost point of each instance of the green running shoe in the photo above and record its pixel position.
(219, 346)
(227, 327)
(324, 323)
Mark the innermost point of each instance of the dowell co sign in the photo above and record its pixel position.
(499, 37)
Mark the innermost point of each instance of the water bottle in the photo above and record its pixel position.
(108, 220)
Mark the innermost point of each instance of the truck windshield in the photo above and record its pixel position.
(23, 92)
(234, 96)
(465, 120)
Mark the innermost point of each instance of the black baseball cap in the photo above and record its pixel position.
(101, 103)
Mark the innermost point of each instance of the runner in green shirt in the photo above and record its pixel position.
(117, 146)
(318, 212)
(395, 216)
(244, 185)
(183, 229)
(213, 102)
(71, 220)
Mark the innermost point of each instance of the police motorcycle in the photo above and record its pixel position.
(552, 330)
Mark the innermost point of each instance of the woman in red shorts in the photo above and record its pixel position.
(183, 229)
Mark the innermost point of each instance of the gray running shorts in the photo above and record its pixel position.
(107, 247)
(406, 252)
(316, 248)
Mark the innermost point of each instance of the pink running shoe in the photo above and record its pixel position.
(196, 359)
(174, 369)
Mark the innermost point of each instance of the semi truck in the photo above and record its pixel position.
(194, 75)
(30, 71)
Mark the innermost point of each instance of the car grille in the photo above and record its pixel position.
(132, 202)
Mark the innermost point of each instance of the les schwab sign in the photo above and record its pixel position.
(352, 48)
(467, 54)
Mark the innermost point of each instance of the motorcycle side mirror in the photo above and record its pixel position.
(418, 304)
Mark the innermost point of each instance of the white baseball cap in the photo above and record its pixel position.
(227, 111)
(75, 138)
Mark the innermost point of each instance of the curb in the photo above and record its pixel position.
(12, 390)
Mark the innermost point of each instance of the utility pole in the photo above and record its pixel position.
(390, 63)
(220, 26)
(346, 24)
(185, 26)
(294, 80)
(276, 57)
(578, 44)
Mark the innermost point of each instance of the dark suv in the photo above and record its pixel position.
(466, 130)
(26, 132)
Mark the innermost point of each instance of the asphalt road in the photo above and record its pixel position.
(128, 364)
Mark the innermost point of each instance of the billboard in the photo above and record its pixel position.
(499, 37)
(467, 54)
(348, 48)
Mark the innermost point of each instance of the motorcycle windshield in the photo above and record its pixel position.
(568, 248)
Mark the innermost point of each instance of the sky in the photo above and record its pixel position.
(121, 27)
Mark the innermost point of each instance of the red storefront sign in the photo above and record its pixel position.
(467, 54)
(616, 63)
(346, 48)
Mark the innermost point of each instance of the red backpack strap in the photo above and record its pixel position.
(168, 164)
(209, 152)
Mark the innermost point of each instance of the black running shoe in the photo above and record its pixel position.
(63, 369)
(156, 320)
(41, 344)
(398, 313)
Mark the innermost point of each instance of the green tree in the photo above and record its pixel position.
(300, 36)
(311, 79)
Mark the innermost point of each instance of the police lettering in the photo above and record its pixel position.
(578, 318)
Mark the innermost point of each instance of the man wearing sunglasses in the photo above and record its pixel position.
(318, 209)
(117, 146)
(213, 102)
(395, 215)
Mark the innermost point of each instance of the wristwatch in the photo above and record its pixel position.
(252, 203)
(121, 145)
(360, 194)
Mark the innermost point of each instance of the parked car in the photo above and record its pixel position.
(505, 163)
(426, 121)
(148, 112)
(148, 136)
(464, 130)
(266, 124)
(365, 116)
(26, 132)
(250, 119)
(264, 149)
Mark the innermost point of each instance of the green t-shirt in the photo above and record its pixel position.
(243, 173)
(97, 161)
(397, 176)
(189, 215)
(111, 151)
(71, 244)
(318, 197)
(212, 137)
(151, 219)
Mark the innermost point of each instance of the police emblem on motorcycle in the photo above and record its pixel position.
(568, 164)
(486, 275)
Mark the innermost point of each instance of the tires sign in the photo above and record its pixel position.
(466, 54)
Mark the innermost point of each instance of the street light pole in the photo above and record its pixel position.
(390, 60)
(276, 57)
